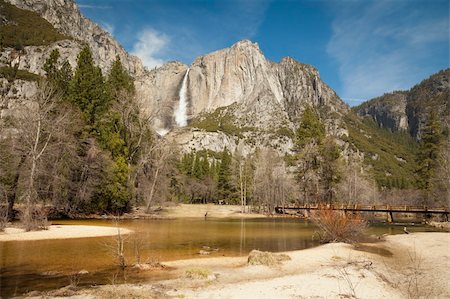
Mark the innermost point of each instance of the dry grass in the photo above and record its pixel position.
(198, 273)
(265, 258)
(336, 226)
(129, 291)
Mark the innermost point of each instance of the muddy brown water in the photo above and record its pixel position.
(47, 264)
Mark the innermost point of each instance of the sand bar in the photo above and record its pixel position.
(411, 266)
(60, 232)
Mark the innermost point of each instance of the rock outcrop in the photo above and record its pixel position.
(65, 16)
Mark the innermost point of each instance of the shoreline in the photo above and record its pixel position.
(57, 232)
(401, 266)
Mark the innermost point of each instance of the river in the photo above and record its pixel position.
(47, 264)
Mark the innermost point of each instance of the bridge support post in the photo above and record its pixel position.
(307, 213)
(390, 217)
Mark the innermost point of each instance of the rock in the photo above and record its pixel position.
(204, 252)
(83, 272)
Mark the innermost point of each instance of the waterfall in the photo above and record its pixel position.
(181, 111)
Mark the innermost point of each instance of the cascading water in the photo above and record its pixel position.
(181, 111)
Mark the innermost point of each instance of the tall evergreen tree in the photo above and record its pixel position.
(427, 157)
(51, 65)
(226, 190)
(311, 129)
(59, 75)
(119, 79)
(87, 88)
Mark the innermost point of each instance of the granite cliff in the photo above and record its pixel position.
(409, 110)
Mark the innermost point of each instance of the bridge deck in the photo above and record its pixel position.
(359, 208)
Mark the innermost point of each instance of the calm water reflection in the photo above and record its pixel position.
(43, 265)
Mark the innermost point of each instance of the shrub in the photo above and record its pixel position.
(10, 74)
(34, 218)
(336, 226)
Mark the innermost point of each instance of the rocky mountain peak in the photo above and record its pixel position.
(289, 62)
(65, 16)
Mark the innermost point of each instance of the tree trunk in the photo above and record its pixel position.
(152, 190)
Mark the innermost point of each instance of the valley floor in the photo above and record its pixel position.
(402, 266)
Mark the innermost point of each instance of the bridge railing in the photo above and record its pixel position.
(357, 207)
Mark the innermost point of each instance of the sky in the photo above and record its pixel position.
(362, 48)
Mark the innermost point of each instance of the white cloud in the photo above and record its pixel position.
(149, 47)
(382, 46)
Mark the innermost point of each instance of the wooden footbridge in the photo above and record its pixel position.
(388, 209)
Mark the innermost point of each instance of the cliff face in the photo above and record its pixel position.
(65, 16)
(409, 110)
(389, 111)
(237, 92)
(240, 74)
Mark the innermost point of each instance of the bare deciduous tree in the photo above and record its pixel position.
(42, 126)
(356, 187)
(272, 184)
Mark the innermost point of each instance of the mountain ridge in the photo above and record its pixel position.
(408, 110)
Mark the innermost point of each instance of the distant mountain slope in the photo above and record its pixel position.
(408, 110)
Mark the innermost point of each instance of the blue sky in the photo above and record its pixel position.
(362, 49)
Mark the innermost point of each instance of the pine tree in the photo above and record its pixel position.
(226, 190)
(58, 75)
(311, 129)
(119, 79)
(330, 167)
(51, 65)
(64, 77)
(427, 157)
(87, 88)
(308, 138)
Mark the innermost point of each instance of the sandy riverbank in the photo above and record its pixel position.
(211, 210)
(402, 266)
(60, 232)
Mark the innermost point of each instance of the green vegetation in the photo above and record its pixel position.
(222, 120)
(284, 132)
(25, 28)
(311, 129)
(317, 158)
(58, 74)
(11, 74)
(206, 176)
(225, 187)
(428, 154)
(391, 156)
(93, 144)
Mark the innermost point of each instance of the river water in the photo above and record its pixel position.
(47, 264)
